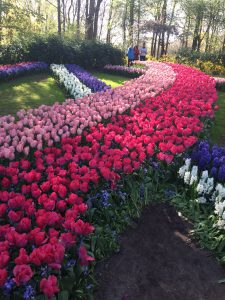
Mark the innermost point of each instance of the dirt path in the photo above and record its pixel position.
(158, 261)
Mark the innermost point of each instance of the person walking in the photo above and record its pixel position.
(136, 52)
(143, 52)
(130, 55)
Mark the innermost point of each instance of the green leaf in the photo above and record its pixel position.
(63, 295)
(68, 283)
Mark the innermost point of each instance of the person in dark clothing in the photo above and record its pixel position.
(130, 55)
(136, 52)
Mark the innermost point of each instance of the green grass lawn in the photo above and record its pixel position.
(29, 92)
(110, 79)
(218, 129)
(34, 90)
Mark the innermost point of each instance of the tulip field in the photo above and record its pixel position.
(74, 174)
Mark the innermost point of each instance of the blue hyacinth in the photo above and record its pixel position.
(86, 78)
(29, 293)
(210, 158)
(70, 263)
(105, 196)
(8, 286)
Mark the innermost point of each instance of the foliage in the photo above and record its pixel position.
(193, 56)
(53, 49)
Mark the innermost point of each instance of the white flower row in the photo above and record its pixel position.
(206, 189)
(72, 84)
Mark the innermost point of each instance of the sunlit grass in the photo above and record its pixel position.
(110, 79)
(29, 92)
(218, 129)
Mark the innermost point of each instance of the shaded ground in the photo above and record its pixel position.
(158, 261)
(29, 92)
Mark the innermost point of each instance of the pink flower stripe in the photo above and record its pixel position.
(8, 67)
(41, 202)
(123, 69)
(46, 125)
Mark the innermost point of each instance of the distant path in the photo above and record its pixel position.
(159, 262)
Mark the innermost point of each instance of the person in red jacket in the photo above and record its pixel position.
(136, 52)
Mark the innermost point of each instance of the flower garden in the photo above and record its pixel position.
(73, 175)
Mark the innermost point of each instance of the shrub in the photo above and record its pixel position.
(53, 49)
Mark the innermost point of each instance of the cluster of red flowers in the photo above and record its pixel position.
(41, 201)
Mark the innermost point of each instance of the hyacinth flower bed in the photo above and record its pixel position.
(86, 78)
(71, 83)
(72, 157)
(13, 71)
(122, 70)
(202, 194)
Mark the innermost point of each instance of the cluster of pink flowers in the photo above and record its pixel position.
(47, 125)
(124, 70)
(41, 202)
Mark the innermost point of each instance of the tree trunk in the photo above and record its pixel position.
(131, 21)
(1, 8)
(59, 17)
(124, 24)
(102, 19)
(196, 43)
(90, 13)
(223, 46)
(170, 24)
(95, 26)
(138, 21)
(78, 17)
(109, 25)
(152, 45)
(64, 15)
(163, 30)
(155, 44)
(158, 47)
(187, 33)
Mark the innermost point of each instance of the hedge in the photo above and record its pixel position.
(53, 49)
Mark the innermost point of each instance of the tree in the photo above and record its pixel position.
(131, 21)
(59, 17)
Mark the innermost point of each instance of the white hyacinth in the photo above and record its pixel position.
(201, 200)
(72, 84)
(194, 175)
(184, 168)
(187, 177)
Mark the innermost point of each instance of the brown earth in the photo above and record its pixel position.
(158, 261)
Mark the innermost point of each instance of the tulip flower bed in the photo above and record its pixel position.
(86, 78)
(122, 70)
(43, 232)
(220, 83)
(46, 125)
(12, 71)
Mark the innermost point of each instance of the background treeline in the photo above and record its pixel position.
(166, 25)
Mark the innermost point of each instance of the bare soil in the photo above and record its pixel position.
(158, 261)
